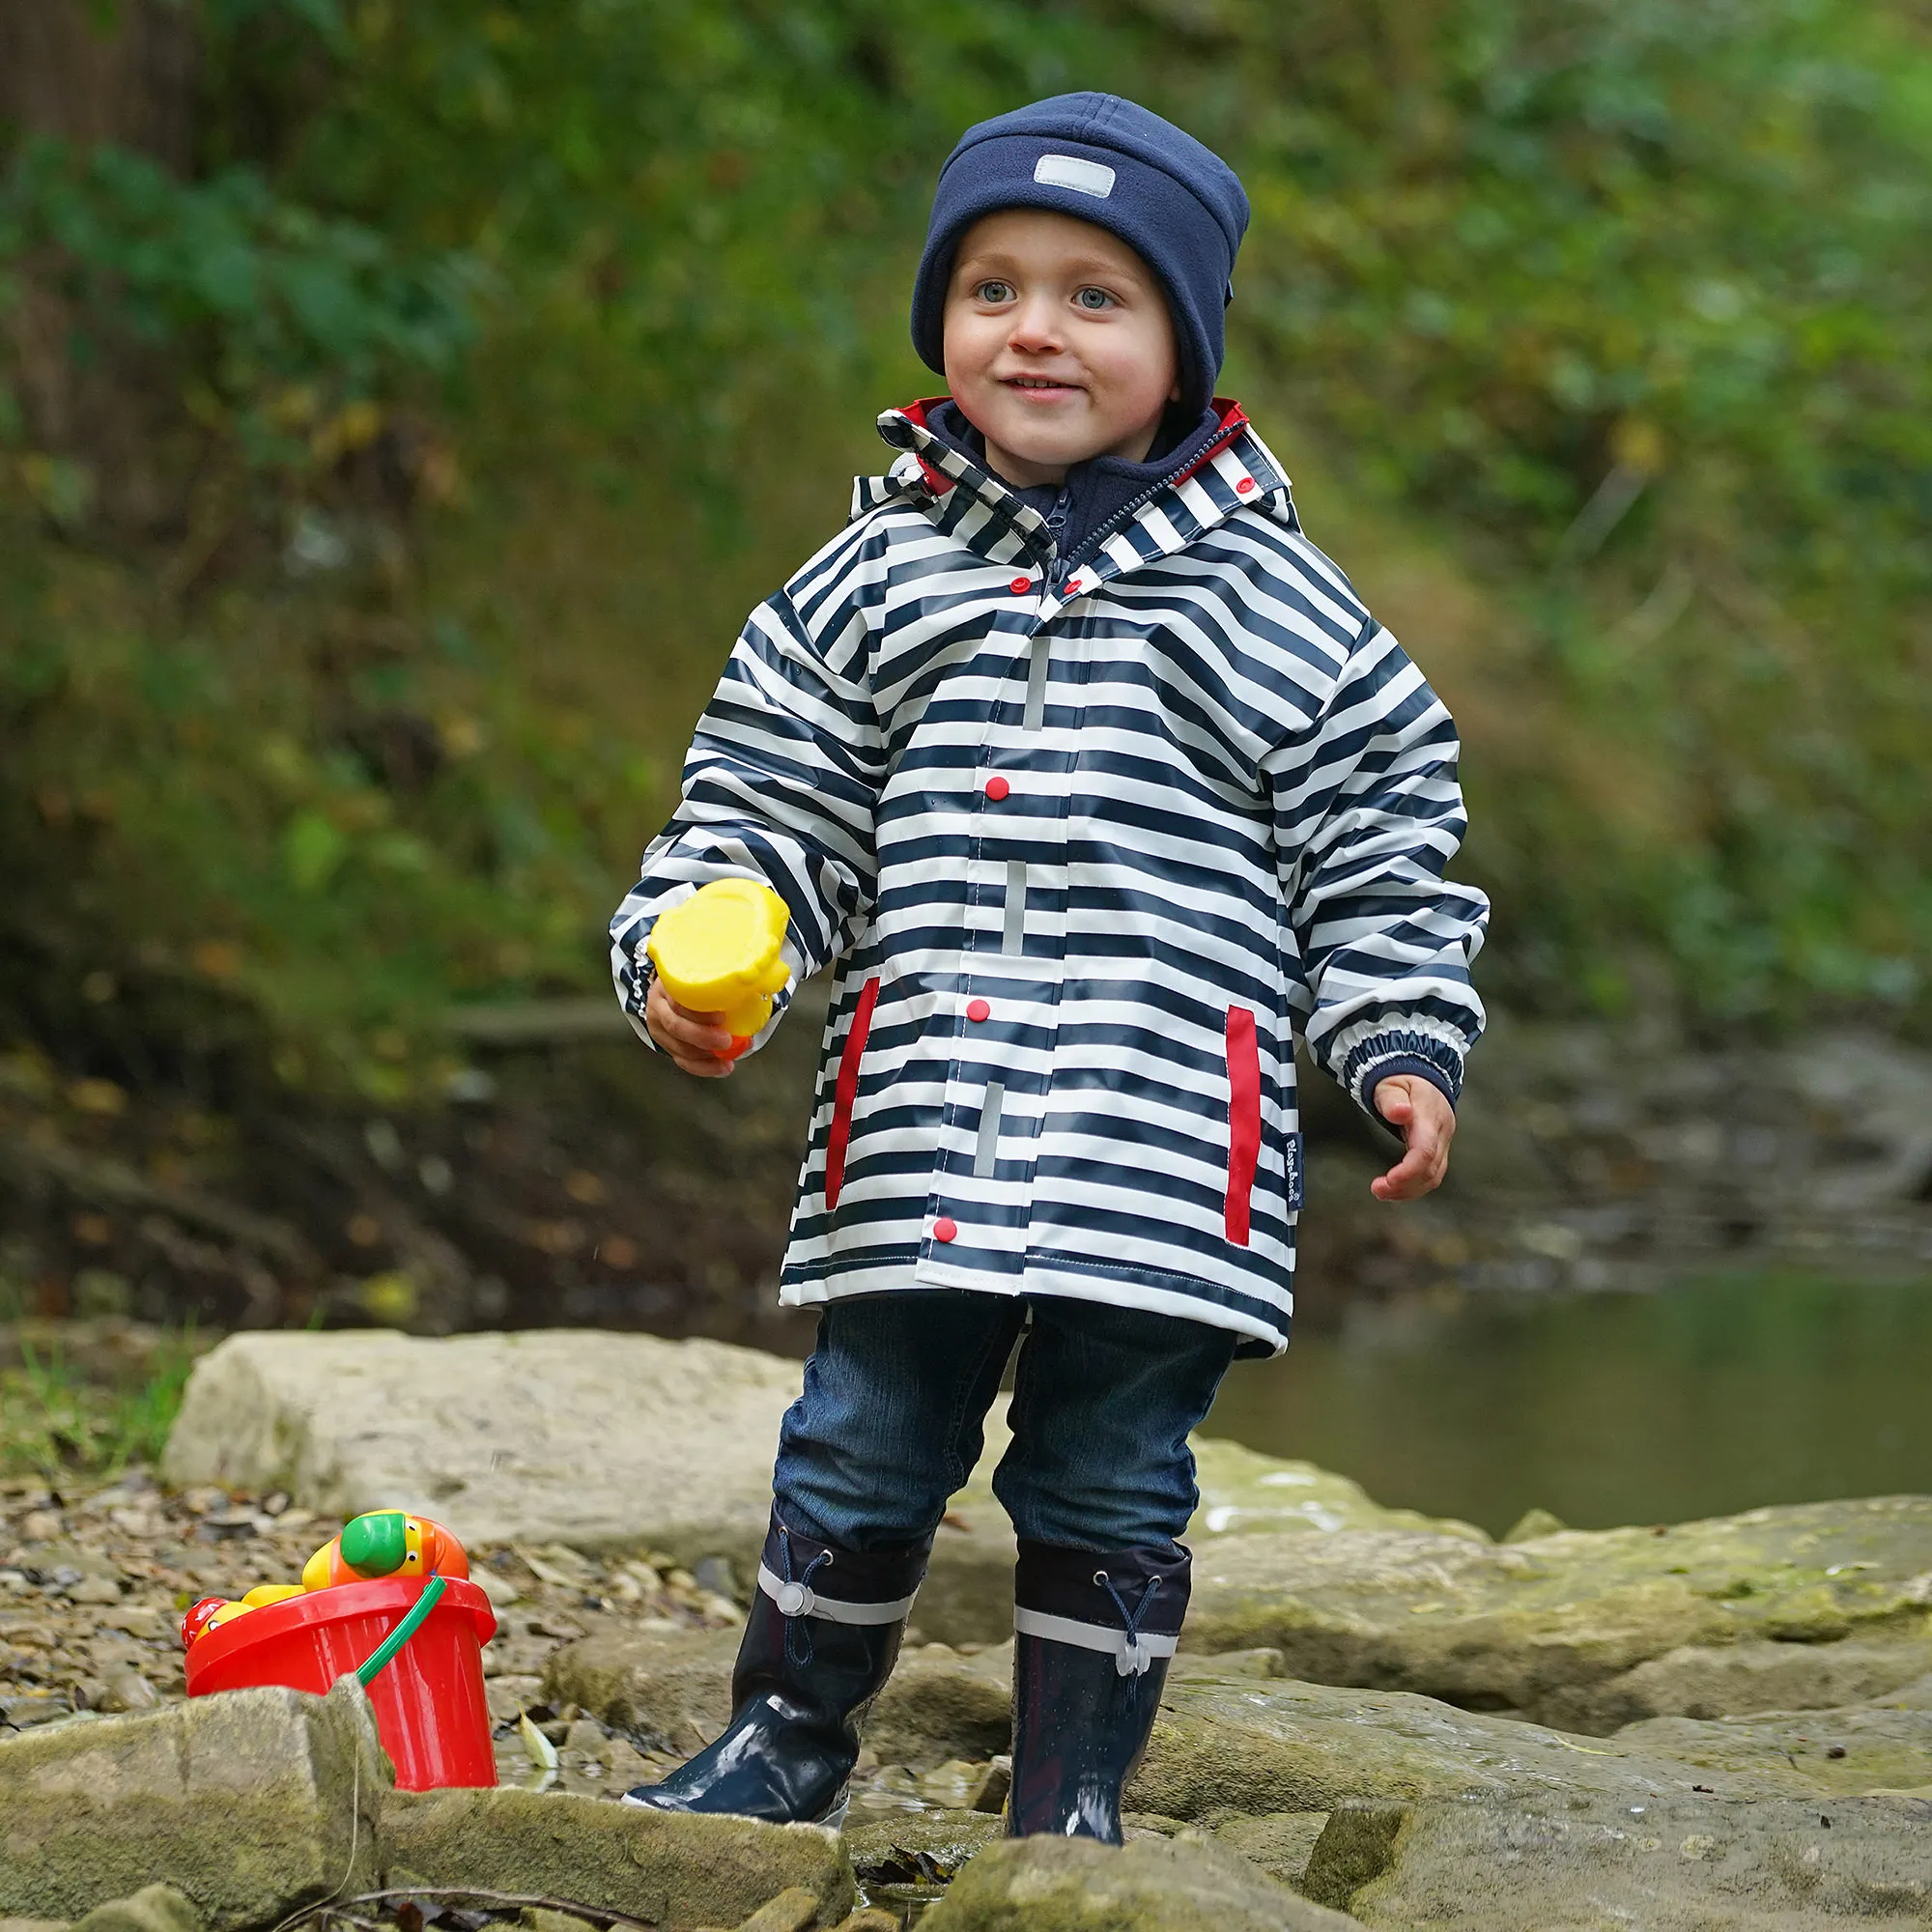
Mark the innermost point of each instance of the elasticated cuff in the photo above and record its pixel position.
(1402, 1062)
(1399, 1050)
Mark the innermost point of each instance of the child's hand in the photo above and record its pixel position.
(1426, 1120)
(695, 1041)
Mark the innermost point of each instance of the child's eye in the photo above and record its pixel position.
(994, 294)
(1093, 298)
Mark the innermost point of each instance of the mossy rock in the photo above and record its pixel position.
(1871, 1747)
(912, 1847)
(1684, 1862)
(676, 1870)
(1546, 1628)
(251, 1803)
(1241, 1747)
(1155, 1884)
(1736, 1679)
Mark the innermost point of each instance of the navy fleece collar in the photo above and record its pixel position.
(1096, 491)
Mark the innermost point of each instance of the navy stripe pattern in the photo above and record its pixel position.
(1077, 826)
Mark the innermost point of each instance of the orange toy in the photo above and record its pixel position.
(386, 1542)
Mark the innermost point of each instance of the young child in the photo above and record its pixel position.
(1097, 783)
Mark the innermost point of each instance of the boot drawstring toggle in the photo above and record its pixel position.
(1133, 1659)
(795, 1599)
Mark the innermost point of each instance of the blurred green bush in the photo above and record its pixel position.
(491, 359)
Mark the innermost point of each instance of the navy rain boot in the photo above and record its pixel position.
(821, 1640)
(1092, 1638)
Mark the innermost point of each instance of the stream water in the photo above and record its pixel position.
(1707, 1397)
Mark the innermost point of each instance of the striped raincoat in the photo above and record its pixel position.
(1084, 850)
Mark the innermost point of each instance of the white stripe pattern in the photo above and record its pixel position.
(1105, 842)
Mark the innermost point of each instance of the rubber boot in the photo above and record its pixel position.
(1092, 1639)
(821, 1640)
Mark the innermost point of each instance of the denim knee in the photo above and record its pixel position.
(1104, 1401)
(889, 1424)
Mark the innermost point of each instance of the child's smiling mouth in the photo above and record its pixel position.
(1045, 388)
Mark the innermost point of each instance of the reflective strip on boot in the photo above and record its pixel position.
(800, 1599)
(1132, 1654)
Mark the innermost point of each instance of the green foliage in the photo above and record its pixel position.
(59, 1424)
(279, 315)
(1623, 307)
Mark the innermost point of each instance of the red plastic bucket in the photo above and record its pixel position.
(430, 1707)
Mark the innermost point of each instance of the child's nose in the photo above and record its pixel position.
(1036, 325)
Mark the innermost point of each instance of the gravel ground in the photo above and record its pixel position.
(92, 1585)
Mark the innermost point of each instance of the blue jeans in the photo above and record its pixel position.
(889, 1425)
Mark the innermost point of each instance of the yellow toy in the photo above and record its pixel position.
(386, 1542)
(720, 952)
(272, 1593)
(214, 1611)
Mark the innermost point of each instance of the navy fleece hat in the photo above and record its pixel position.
(1175, 203)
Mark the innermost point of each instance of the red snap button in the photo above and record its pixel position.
(1243, 487)
(1021, 585)
(943, 1230)
(1075, 586)
(978, 1010)
(997, 788)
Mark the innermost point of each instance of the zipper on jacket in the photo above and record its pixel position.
(1055, 521)
(1135, 505)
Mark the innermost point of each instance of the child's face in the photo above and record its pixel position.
(1058, 345)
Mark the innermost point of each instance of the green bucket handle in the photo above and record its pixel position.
(379, 1657)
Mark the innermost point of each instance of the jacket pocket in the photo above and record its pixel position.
(847, 1091)
(1245, 1120)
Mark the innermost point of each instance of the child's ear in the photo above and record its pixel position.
(1173, 394)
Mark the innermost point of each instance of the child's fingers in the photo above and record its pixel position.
(695, 1041)
(1418, 1171)
(1429, 1124)
(706, 1067)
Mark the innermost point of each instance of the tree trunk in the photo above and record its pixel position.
(123, 74)
(88, 74)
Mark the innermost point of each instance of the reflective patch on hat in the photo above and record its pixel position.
(1069, 171)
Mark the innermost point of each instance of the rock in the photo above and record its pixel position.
(1863, 1748)
(672, 1690)
(127, 1691)
(1730, 1680)
(1245, 1747)
(1155, 1885)
(1534, 1522)
(939, 1705)
(677, 1871)
(503, 1437)
(1280, 1843)
(868, 1919)
(508, 1438)
(1880, 1084)
(918, 1847)
(1544, 1627)
(547, 1918)
(968, 1596)
(61, 1924)
(155, 1907)
(794, 1909)
(252, 1804)
(1244, 1491)
(667, 1691)
(1678, 1864)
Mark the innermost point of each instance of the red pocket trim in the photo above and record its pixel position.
(1245, 1120)
(847, 1091)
